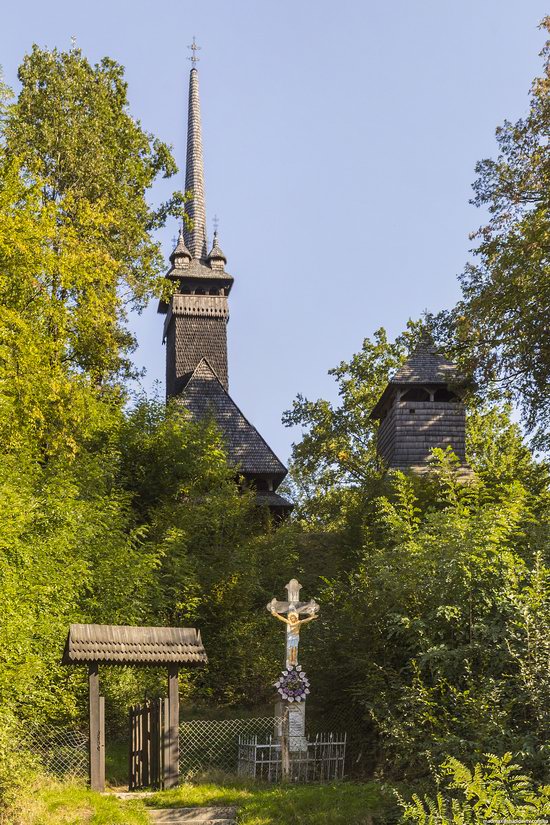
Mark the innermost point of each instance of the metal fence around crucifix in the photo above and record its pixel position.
(251, 748)
(322, 760)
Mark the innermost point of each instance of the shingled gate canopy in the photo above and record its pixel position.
(124, 645)
(95, 644)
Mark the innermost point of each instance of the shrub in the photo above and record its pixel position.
(494, 791)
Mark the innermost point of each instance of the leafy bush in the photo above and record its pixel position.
(494, 791)
(16, 766)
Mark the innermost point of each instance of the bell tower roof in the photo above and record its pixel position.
(425, 366)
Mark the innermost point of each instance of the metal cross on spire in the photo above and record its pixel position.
(216, 223)
(194, 49)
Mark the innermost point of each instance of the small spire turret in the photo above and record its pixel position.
(216, 258)
(181, 256)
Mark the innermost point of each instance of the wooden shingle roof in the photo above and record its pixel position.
(424, 366)
(204, 394)
(127, 645)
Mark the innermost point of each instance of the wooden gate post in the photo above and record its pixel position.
(172, 769)
(101, 743)
(131, 748)
(96, 731)
(154, 765)
(165, 742)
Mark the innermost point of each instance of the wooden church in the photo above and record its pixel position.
(195, 331)
(421, 408)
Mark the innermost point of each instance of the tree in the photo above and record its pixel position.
(70, 134)
(47, 405)
(500, 329)
(219, 555)
(335, 461)
(435, 590)
(337, 449)
(75, 231)
(429, 636)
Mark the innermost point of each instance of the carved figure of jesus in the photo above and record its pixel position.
(293, 624)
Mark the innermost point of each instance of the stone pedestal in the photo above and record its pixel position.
(296, 714)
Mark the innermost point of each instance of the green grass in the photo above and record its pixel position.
(341, 803)
(56, 804)
(116, 764)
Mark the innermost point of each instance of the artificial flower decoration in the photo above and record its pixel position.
(293, 684)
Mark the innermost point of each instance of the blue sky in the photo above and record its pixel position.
(340, 140)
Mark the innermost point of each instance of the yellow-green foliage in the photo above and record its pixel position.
(495, 790)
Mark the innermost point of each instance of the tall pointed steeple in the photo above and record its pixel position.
(195, 238)
(195, 330)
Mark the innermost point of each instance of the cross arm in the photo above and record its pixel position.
(275, 606)
(310, 607)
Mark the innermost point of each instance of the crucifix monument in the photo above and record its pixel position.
(293, 685)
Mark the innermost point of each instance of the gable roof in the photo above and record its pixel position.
(424, 366)
(127, 645)
(204, 394)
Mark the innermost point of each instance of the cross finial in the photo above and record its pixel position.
(293, 589)
(216, 222)
(194, 49)
(174, 240)
(73, 41)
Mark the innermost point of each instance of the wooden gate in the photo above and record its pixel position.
(149, 742)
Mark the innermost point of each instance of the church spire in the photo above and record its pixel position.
(195, 238)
